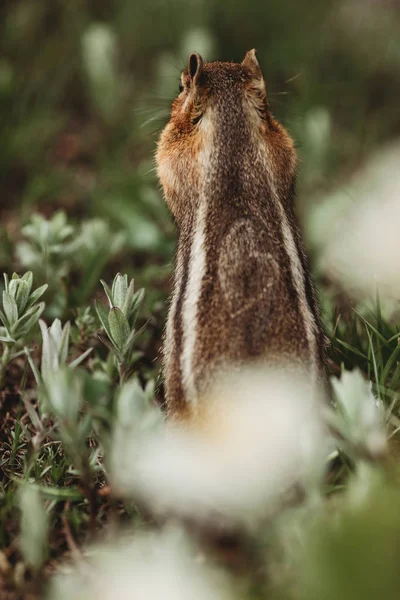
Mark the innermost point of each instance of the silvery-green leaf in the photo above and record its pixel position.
(23, 326)
(50, 361)
(5, 281)
(19, 289)
(133, 411)
(85, 426)
(129, 296)
(108, 292)
(64, 343)
(119, 327)
(102, 313)
(28, 278)
(4, 320)
(12, 286)
(64, 394)
(66, 232)
(55, 332)
(111, 346)
(28, 255)
(136, 303)
(129, 341)
(10, 308)
(7, 340)
(33, 309)
(119, 289)
(34, 368)
(36, 294)
(43, 232)
(58, 220)
(130, 403)
(73, 364)
(34, 526)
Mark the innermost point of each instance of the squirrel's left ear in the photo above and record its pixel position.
(195, 66)
(250, 62)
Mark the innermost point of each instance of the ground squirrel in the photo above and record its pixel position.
(242, 289)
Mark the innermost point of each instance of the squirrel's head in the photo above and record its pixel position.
(221, 124)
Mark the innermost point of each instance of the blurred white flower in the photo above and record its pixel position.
(99, 49)
(99, 52)
(148, 566)
(359, 416)
(34, 526)
(357, 229)
(198, 40)
(316, 134)
(258, 435)
(366, 481)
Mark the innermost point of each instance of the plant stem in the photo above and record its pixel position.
(5, 359)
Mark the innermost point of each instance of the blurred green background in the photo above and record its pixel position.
(86, 85)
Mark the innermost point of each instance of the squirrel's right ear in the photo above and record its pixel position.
(250, 62)
(195, 66)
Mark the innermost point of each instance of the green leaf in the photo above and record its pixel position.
(390, 363)
(108, 292)
(23, 326)
(50, 360)
(7, 340)
(64, 343)
(119, 327)
(111, 346)
(6, 283)
(36, 294)
(102, 313)
(28, 278)
(136, 304)
(60, 494)
(34, 526)
(352, 349)
(55, 332)
(77, 361)
(4, 320)
(34, 368)
(129, 298)
(10, 308)
(119, 289)
(19, 289)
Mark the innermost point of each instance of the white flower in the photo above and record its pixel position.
(145, 566)
(359, 415)
(357, 229)
(258, 436)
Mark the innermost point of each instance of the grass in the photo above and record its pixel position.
(61, 401)
(80, 204)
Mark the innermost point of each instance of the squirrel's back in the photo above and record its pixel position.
(242, 290)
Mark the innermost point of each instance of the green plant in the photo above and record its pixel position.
(119, 321)
(19, 314)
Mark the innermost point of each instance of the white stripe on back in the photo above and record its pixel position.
(299, 284)
(197, 263)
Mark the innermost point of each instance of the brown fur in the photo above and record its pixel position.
(222, 146)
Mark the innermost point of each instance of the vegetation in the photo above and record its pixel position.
(86, 246)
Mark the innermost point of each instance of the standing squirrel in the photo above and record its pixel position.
(242, 288)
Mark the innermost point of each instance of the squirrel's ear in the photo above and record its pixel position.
(195, 66)
(250, 62)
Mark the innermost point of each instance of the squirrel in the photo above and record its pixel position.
(242, 289)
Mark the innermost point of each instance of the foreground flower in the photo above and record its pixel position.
(259, 437)
(356, 230)
(359, 416)
(147, 566)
